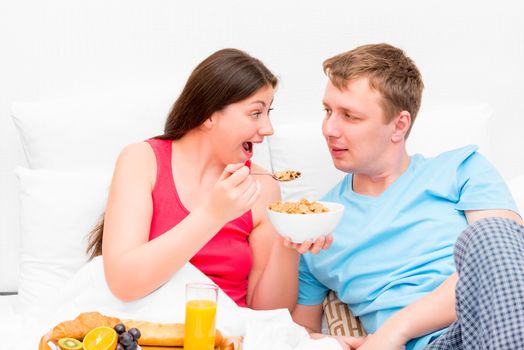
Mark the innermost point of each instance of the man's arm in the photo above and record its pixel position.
(474, 215)
(434, 311)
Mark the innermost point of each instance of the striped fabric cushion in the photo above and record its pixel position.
(340, 320)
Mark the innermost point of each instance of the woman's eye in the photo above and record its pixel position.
(258, 114)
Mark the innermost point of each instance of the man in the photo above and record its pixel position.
(392, 258)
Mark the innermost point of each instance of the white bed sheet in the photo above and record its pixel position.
(7, 304)
(18, 331)
(88, 291)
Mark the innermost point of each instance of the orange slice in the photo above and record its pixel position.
(101, 338)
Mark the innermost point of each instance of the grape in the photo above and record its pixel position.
(119, 347)
(125, 339)
(132, 346)
(134, 332)
(120, 328)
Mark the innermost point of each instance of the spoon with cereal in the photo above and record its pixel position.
(282, 176)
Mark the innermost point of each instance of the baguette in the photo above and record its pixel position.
(163, 334)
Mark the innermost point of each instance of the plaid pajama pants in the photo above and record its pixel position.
(489, 256)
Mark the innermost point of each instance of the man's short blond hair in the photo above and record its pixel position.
(389, 71)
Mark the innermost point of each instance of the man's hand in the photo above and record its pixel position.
(350, 343)
(382, 341)
(323, 242)
(347, 343)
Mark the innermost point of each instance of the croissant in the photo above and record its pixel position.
(81, 325)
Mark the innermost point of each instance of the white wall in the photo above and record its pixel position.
(468, 52)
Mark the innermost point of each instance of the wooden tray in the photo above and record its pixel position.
(229, 343)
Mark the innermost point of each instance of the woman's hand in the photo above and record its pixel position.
(323, 242)
(234, 193)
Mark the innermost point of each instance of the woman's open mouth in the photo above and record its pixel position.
(248, 147)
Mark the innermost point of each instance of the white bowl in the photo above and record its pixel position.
(301, 227)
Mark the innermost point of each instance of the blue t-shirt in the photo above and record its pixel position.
(390, 250)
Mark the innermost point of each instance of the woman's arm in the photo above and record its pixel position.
(134, 266)
(309, 317)
(273, 281)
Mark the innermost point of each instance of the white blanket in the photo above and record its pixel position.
(88, 291)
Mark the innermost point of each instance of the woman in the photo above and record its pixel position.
(187, 195)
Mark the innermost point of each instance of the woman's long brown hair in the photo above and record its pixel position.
(227, 76)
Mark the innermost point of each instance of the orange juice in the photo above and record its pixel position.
(199, 333)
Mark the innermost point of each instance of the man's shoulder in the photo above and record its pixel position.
(457, 154)
(449, 160)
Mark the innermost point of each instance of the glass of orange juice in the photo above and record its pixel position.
(201, 309)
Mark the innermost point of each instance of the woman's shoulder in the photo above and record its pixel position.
(267, 182)
(258, 168)
(136, 160)
(269, 193)
(137, 151)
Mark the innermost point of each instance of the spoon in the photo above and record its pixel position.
(282, 176)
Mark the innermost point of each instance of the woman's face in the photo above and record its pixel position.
(239, 125)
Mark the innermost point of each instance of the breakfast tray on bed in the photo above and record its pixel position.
(154, 336)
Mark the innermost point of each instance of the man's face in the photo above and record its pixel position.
(355, 129)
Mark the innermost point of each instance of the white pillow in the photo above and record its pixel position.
(301, 146)
(439, 130)
(57, 211)
(516, 186)
(88, 132)
(261, 155)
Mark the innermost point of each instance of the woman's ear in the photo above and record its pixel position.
(210, 122)
(402, 123)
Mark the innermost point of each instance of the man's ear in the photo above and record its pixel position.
(402, 122)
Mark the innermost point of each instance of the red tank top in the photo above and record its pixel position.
(226, 259)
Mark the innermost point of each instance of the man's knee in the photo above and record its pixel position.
(490, 229)
(487, 236)
(488, 245)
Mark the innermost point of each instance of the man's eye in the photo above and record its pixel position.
(328, 111)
